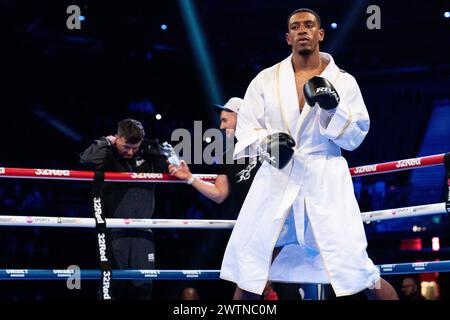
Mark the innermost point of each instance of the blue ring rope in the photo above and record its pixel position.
(61, 274)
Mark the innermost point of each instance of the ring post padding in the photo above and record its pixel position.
(447, 179)
(103, 247)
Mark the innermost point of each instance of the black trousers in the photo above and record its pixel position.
(132, 249)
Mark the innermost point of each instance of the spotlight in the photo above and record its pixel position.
(81, 18)
(158, 117)
(164, 27)
(208, 139)
(334, 25)
(447, 14)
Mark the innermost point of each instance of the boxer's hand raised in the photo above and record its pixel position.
(319, 90)
(277, 149)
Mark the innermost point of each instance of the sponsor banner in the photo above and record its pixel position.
(387, 267)
(409, 163)
(143, 175)
(69, 221)
(101, 236)
(419, 266)
(150, 273)
(38, 220)
(63, 273)
(98, 213)
(192, 273)
(7, 220)
(365, 169)
(421, 208)
(17, 273)
(106, 284)
(52, 173)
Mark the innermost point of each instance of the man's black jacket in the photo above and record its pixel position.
(122, 199)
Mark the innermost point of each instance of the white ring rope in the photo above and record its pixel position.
(39, 221)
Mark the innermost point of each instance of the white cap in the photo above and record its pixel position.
(232, 105)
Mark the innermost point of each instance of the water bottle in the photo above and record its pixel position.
(170, 153)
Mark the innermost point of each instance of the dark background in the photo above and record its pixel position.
(62, 88)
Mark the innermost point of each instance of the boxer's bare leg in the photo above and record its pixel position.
(382, 291)
(240, 294)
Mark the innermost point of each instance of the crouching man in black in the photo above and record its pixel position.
(128, 151)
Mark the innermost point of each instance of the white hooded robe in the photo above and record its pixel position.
(315, 186)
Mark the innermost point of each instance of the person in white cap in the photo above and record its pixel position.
(234, 179)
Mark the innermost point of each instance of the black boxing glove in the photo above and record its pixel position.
(277, 149)
(320, 90)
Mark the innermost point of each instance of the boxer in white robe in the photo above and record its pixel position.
(314, 191)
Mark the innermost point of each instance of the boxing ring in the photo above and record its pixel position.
(100, 223)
